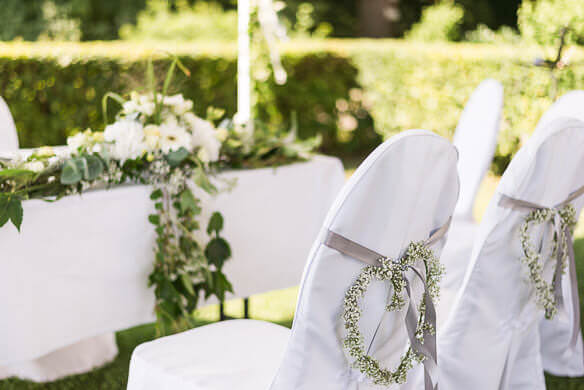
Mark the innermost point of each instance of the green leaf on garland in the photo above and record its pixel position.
(4, 216)
(15, 212)
(94, 167)
(72, 172)
(154, 219)
(17, 173)
(156, 194)
(189, 202)
(215, 223)
(202, 181)
(217, 251)
(221, 285)
(187, 283)
(176, 157)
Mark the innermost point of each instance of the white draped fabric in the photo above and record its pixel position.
(403, 191)
(83, 261)
(8, 135)
(490, 333)
(476, 139)
(558, 356)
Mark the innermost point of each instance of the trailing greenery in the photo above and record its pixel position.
(341, 89)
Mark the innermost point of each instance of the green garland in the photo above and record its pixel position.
(544, 291)
(392, 271)
(158, 141)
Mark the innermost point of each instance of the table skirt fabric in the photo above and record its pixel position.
(79, 268)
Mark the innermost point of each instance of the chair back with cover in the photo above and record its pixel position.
(570, 105)
(403, 192)
(8, 135)
(476, 139)
(559, 357)
(490, 339)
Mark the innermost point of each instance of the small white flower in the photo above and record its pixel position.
(35, 166)
(151, 137)
(127, 138)
(173, 137)
(179, 104)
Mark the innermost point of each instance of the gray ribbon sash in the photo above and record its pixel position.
(556, 225)
(428, 348)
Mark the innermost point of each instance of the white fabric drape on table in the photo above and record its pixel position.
(80, 266)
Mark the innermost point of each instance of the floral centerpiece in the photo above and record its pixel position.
(156, 140)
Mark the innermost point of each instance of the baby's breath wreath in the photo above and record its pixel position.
(392, 271)
(544, 291)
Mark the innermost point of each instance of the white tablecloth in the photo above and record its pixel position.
(79, 267)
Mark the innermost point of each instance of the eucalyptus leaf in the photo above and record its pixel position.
(15, 212)
(176, 157)
(202, 181)
(215, 223)
(217, 251)
(72, 172)
(94, 167)
(189, 202)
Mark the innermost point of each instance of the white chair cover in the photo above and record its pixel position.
(560, 358)
(476, 139)
(490, 339)
(570, 105)
(403, 191)
(8, 135)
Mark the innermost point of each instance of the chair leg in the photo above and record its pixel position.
(221, 312)
(246, 308)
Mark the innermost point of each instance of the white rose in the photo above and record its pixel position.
(204, 137)
(77, 141)
(127, 138)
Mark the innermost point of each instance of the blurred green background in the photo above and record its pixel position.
(59, 57)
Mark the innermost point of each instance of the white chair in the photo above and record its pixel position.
(476, 139)
(490, 337)
(570, 105)
(403, 191)
(558, 355)
(8, 135)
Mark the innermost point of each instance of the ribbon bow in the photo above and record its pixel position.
(561, 228)
(427, 349)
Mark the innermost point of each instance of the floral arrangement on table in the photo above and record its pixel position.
(156, 140)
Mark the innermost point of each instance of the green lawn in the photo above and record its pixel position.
(275, 306)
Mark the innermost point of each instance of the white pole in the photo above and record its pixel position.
(243, 67)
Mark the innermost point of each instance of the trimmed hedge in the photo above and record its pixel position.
(343, 89)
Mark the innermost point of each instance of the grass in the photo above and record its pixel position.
(277, 306)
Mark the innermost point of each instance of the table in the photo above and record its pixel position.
(78, 270)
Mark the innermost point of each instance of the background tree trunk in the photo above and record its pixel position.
(379, 18)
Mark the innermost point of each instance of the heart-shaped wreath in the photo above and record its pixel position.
(532, 257)
(394, 272)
